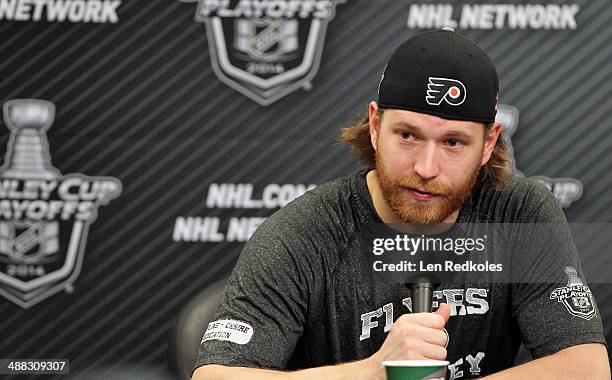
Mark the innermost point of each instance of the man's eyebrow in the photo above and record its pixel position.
(452, 133)
(458, 134)
(404, 124)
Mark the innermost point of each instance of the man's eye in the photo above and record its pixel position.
(453, 143)
(405, 135)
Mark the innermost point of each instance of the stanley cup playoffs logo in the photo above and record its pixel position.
(575, 296)
(565, 190)
(265, 49)
(44, 215)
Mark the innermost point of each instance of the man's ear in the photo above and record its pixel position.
(490, 140)
(374, 122)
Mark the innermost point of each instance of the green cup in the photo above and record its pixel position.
(416, 369)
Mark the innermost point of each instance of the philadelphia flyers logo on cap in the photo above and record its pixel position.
(450, 90)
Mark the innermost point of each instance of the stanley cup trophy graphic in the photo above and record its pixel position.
(44, 215)
(28, 158)
(572, 275)
(582, 301)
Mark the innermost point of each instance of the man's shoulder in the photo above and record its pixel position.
(319, 223)
(525, 188)
(519, 200)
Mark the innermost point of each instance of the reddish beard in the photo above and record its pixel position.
(448, 198)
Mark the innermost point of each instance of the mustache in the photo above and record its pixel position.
(417, 183)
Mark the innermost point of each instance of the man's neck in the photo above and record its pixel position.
(382, 207)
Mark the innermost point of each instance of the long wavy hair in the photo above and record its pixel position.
(356, 136)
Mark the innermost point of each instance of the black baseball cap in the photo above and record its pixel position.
(441, 73)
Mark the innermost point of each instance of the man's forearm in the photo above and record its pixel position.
(586, 361)
(360, 370)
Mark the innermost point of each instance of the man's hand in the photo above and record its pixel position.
(418, 336)
(412, 337)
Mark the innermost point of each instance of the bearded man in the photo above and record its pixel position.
(301, 302)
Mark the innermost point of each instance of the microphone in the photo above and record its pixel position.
(422, 295)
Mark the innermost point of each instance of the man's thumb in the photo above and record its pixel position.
(444, 310)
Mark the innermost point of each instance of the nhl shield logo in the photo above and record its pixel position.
(44, 216)
(265, 49)
(575, 296)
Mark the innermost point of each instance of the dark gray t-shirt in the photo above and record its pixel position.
(302, 295)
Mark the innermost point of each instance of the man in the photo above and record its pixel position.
(301, 303)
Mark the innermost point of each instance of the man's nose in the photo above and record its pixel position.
(426, 164)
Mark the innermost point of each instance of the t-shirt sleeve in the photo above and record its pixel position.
(262, 310)
(557, 310)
